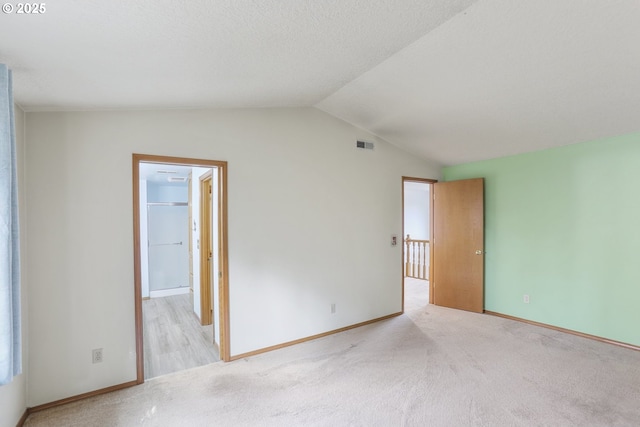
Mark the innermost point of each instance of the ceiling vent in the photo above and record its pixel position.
(177, 178)
(364, 145)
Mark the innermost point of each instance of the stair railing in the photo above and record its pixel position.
(416, 258)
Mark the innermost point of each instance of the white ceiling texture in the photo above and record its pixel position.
(449, 80)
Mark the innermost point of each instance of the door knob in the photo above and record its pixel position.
(478, 252)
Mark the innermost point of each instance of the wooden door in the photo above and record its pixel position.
(458, 244)
(206, 249)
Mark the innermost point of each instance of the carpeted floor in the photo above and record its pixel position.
(431, 366)
(416, 294)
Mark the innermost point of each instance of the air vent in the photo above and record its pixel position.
(364, 145)
(177, 179)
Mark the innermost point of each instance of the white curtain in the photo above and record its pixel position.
(10, 337)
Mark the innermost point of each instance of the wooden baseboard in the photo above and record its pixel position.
(23, 418)
(566, 331)
(81, 396)
(312, 337)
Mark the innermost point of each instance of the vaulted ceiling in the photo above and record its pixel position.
(449, 80)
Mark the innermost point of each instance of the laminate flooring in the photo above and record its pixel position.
(174, 340)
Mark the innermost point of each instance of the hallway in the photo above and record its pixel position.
(416, 294)
(174, 340)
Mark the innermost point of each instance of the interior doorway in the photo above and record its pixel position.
(168, 228)
(417, 228)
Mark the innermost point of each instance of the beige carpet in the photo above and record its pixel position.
(416, 294)
(429, 367)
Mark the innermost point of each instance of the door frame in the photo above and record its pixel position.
(431, 201)
(223, 282)
(205, 184)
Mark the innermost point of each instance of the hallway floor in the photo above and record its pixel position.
(174, 340)
(416, 293)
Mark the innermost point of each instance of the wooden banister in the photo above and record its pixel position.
(416, 258)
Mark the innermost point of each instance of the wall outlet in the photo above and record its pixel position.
(333, 308)
(97, 355)
(525, 299)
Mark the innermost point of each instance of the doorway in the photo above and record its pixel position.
(454, 249)
(163, 193)
(416, 235)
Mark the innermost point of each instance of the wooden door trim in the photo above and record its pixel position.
(205, 284)
(223, 223)
(223, 266)
(425, 181)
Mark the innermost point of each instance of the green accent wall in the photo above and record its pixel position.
(563, 226)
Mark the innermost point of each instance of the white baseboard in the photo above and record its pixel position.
(168, 292)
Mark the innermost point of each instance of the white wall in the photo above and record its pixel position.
(416, 210)
(13, 396)
(310, 219)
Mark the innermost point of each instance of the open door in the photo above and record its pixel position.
(458, 244)
(206, 249)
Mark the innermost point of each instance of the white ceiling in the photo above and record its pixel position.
(505, 77)
(450, 80)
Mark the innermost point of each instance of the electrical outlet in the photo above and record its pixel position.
(333, 308)
(525, 299)
(97, 355)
